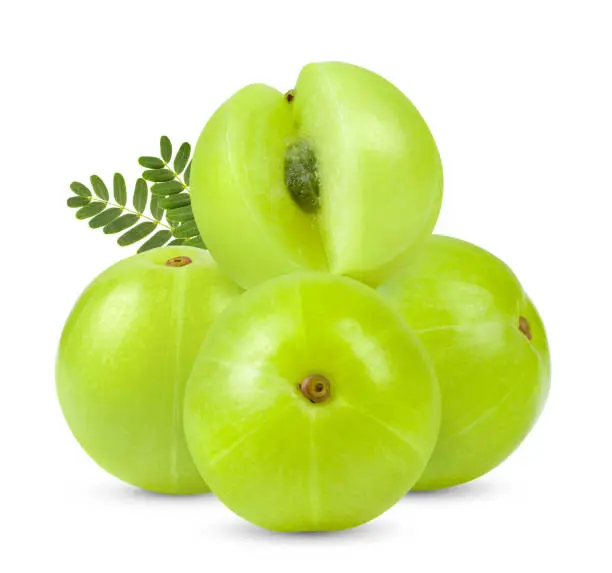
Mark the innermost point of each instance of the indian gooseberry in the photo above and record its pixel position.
(489, 349)
(339, 174)
(311, 405)
(124, 358)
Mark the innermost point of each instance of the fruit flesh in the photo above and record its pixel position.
(376, 167)
(238, 186)
(472, 315)
(282, 460)
(125, 355)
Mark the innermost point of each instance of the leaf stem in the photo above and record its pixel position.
(179, 179)
(127, 209)
(177, 176)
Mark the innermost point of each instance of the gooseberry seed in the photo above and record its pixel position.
(301, 177)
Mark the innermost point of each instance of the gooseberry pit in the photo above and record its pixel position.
(301, 177)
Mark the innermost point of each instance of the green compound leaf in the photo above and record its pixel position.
(141, 192)
(182, 157)
(167, 188)
(77, 201)
(99, 187)
(156, 210)
(158, 240)
(174, 201)
(119, 190)
(158, 175)
(180, 214)
(120, 224)
(151, 162)
(134, 235)
(186, 230)
(105, 217)
(171, 219)
(165, 148)
(90, 210)
(80, 189)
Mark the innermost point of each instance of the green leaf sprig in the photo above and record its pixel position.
(170, 213)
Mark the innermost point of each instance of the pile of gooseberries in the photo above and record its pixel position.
(328, 353)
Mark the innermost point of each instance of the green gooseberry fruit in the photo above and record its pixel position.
(311, 405)
(489, 348)
(340, 174)
(124, 358)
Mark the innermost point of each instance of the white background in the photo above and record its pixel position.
(519, 99)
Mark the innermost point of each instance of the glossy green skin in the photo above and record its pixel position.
(277, 459)
(465, 305)
(124, 358)
(378, 165)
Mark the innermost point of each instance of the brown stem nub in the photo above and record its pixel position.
(525, 328)
(289, 96)
(178, 261)
(315, 388)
